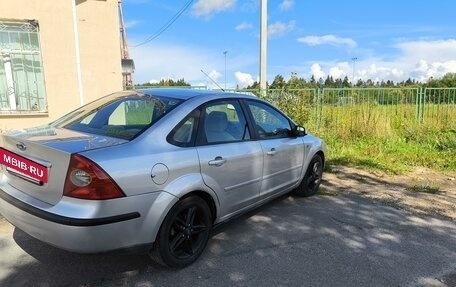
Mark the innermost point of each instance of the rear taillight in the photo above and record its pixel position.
(86, 180)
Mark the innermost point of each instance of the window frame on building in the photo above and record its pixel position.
(22, 83)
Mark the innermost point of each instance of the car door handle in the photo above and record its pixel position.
(218, 161)
(272, 152)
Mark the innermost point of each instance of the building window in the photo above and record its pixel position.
(21, 68)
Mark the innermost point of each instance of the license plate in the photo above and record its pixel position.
(23, 165)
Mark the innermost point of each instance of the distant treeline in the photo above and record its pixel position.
(166, 83)
(295, 82)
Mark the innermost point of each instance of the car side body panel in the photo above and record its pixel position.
(243, 161)
(283, 159)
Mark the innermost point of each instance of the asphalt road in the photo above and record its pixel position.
(318, 241)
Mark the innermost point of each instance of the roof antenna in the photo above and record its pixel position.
(212, 80)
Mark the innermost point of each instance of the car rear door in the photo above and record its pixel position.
(231, 163)
(283, 154)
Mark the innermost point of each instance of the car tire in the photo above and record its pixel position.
(184, 233)
(312, 178)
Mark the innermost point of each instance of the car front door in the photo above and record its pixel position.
(231, 163)
(283, 154)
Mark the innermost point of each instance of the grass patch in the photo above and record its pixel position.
(394, 154)
(378, 129)
(424, 188)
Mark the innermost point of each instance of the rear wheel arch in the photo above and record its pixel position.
(207, 198)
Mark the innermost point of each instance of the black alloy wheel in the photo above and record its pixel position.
(184, 232)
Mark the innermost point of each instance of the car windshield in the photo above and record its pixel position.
(122, 115)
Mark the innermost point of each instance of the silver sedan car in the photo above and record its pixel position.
(154, 168)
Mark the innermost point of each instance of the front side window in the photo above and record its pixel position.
(21, 68)
(269, 123)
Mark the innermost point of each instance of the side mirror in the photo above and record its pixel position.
(298, 131)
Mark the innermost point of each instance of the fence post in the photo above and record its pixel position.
(318, 107)
(420, 102)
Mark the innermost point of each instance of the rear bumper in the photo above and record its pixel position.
(64, 220)
(88, 226)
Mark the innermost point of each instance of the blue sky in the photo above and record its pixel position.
(391, 40)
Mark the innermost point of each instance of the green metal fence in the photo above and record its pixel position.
(355, 109)
(359, 109)
(438, 106)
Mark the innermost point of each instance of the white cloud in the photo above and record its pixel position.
(212, 80)
(286, 4)
(428, 58)
(164, 60)
(244, 26)
(424, 71)
(337, 72)
(432, 51)
(363, 70)
(328, 40)
(131, 24)
(421, 66)
(278, 28)
(244, 79)
(206, 8)
(215, 75)
(418, 60)
(316, 71)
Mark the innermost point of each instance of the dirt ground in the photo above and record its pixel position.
(421, 192)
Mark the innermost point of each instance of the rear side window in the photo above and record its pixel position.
(121, 117)
(184, 133)
(224, 121)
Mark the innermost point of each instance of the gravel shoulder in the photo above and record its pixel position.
(421, 191)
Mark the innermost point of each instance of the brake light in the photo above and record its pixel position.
(86, 180)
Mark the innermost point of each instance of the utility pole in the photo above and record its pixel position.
(224, 53)
(354, 59)
(263, 45)
(128, 65)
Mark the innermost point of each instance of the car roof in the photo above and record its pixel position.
(187, 93)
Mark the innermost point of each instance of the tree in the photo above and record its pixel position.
(278, 83)
(346, 82)
(329, 82)
(295, 82)
(313, 83)
(449, 80)
(167, 83)
(360, 83)
(254, 86)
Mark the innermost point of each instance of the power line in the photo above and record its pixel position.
(166, 26)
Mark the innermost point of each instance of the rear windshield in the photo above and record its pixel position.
(122, 115)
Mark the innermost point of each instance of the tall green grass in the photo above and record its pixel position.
(389, 137)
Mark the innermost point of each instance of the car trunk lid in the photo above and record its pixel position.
(36, 160)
